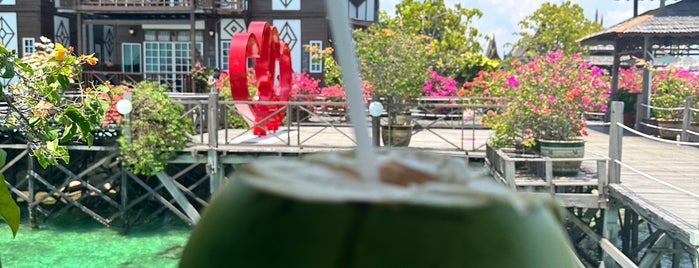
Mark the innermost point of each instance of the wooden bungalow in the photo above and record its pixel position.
(162, 40)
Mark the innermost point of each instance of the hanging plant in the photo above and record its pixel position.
(158, 129)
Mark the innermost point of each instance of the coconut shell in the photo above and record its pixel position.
(441, 214)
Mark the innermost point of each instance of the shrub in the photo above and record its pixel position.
(158, 129)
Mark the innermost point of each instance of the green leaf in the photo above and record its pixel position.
(79, 119)
(90, 139)
(43, 161)
(9, 211)
(68, 133)
(63, 80)
(9, 69)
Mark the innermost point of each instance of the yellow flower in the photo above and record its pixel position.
(59, 51)
(388, 32)
(90, 59)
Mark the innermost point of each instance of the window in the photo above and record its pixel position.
(169, 62)
(315, 59)
(27, 45)
(131, 57)
(225, 47)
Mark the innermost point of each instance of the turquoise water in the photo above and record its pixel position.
(83, 242)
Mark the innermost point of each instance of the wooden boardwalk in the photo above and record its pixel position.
(308, 139)
(672, 206)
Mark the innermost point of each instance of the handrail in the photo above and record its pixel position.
(330, 116)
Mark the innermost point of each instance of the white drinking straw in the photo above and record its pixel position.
(340, 28)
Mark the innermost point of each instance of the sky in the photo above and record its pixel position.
(500, 17)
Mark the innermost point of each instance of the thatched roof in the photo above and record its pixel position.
(678, 20)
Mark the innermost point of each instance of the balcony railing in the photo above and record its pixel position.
(154, 5)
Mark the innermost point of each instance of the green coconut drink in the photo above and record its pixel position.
(427, 211)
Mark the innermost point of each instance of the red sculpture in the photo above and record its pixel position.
(262, 43)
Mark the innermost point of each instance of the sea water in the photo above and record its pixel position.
(83, 242)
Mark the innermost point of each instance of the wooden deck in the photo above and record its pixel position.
(673, 209)
(309, 139)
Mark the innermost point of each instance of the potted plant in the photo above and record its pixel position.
(630, 87)
(395, 63)
(671, 87)
(545, 101)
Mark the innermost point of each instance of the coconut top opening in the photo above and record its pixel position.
(407, 176)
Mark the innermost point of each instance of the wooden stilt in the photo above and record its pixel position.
(611, 231)
(30, 189)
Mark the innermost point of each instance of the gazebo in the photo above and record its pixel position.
(660, 37)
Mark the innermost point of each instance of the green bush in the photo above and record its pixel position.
(158, 129)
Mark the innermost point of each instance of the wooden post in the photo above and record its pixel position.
(615, 138)
(30, 188)
(124, 198)
(686, 119)
(647, 78)
(610, 232)
(509, 173)
(602, 182)
(548, 174)
(213, 165)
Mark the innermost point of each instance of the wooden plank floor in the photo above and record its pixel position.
(316, 138)
(669, 209)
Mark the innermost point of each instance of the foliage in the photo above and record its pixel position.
(671, 88)
(37, 104)
(553, 26)
(457, 50)
(331, 70)
(484, 83)
(201, 75)
(111, 115)
(546, 99)
(394, 62)
(630, 86)
(439, 86)
(304, 87)
(38, 109)
(157, 129)
(235, 120)
(9, 211)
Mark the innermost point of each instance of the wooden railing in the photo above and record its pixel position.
(153, 5)
(176, 82)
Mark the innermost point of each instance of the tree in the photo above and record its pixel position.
(553, 27)
(394, 62)
(38, 110)
(455, 43)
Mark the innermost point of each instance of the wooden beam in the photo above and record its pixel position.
(616, 254)
(578, 200)
(181, 200)
(652, 257)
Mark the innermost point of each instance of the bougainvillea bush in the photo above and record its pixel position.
(546, 100)
(670, 89)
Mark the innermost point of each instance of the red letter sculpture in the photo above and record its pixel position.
(262, 43)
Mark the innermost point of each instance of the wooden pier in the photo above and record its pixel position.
(657, 184)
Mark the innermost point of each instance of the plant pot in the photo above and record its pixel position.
(665, 124)
(396, 135)
(629, 119)
(299, 115)
(563, 149)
